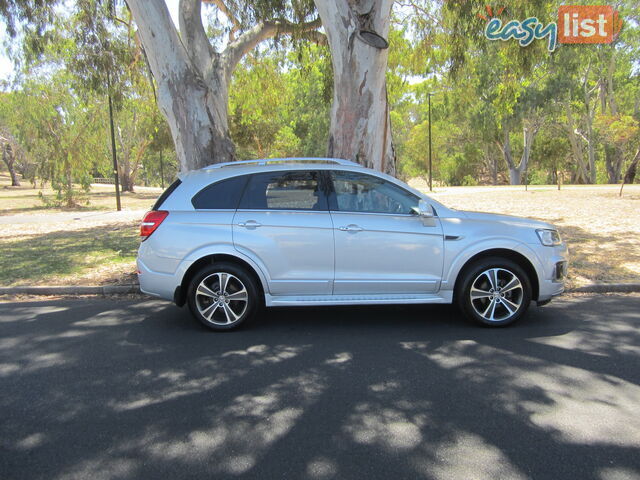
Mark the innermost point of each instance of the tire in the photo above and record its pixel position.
(225, 308)
(491, 306)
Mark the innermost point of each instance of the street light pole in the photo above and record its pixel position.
(113, 146)
(430, 164)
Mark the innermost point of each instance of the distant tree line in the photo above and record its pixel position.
(237, 80)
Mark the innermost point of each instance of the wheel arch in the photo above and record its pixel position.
(180, 294)
(521, 260)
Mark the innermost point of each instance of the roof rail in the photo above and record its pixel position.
(267, 161)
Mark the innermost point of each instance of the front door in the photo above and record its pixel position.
(381, 245)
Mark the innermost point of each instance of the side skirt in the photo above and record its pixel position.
(316, 300)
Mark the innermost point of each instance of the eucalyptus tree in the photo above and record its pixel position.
(360, 123)
(193, 75)
(60, 131)
(10, 149)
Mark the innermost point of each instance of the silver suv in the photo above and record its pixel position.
(232, 238)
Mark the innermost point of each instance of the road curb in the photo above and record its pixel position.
(607, 288)
(135, 288)
(70, 290)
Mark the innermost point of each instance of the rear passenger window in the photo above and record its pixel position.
(223, 195)
(284, 191)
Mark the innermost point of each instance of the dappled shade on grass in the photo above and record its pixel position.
(49, 257)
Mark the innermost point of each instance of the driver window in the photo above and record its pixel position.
(357, 192)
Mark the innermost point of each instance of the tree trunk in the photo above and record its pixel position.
(515, 176)
(529, 134)
(515, 171)
(126, 182)
(614, 160)
(360, 123)
(495, 170)
(193, 100)
(8, 156)
(591, 154)
(581, 174)
(630, 175)
(68, 194)
(491, 162)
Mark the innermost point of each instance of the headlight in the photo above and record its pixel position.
(549, 238)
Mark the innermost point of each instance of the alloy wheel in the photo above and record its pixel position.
(496, 294)
(221, 298)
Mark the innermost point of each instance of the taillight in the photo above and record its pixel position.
(151, 222)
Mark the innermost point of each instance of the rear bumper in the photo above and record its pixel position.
(158, 284)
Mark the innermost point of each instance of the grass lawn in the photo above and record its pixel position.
(96, 248)
(81, 246)
(102, 254)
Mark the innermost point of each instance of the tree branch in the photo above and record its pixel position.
(263, 30)
(230, 16)
(154, 23)
(193, 35)
(316, 37)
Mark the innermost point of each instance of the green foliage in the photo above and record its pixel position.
(59, 131)
(279, 103)
(279, 100)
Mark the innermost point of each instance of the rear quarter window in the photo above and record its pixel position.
(222, 195)
(166, 194)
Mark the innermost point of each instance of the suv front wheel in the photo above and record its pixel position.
(222, 296)
(494, 291)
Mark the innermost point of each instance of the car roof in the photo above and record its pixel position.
(206, 175)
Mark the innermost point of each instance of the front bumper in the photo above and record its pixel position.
(552, 277)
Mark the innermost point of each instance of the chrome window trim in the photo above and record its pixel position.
(285, 210)
(375, 213)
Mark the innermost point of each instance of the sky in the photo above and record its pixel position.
(6, 65)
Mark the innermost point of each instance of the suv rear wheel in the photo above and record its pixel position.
(222, 296)
(494, 291)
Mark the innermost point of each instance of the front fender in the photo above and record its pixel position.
(457, 258)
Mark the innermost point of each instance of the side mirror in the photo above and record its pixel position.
(424, 209)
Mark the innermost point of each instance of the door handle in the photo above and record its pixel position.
(351, 228)
(250, 224)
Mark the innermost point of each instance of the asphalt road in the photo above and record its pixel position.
(136, 389)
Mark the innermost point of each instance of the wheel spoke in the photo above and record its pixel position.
(477, 293)
(231, 316)
(511, 285)
(241, 295)
(209, 311)
(508, 303)
(492, 275)
(205, 291)
(492, 307)
(223, 279)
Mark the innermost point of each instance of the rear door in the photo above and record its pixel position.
(283, 222)
(381, 245)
